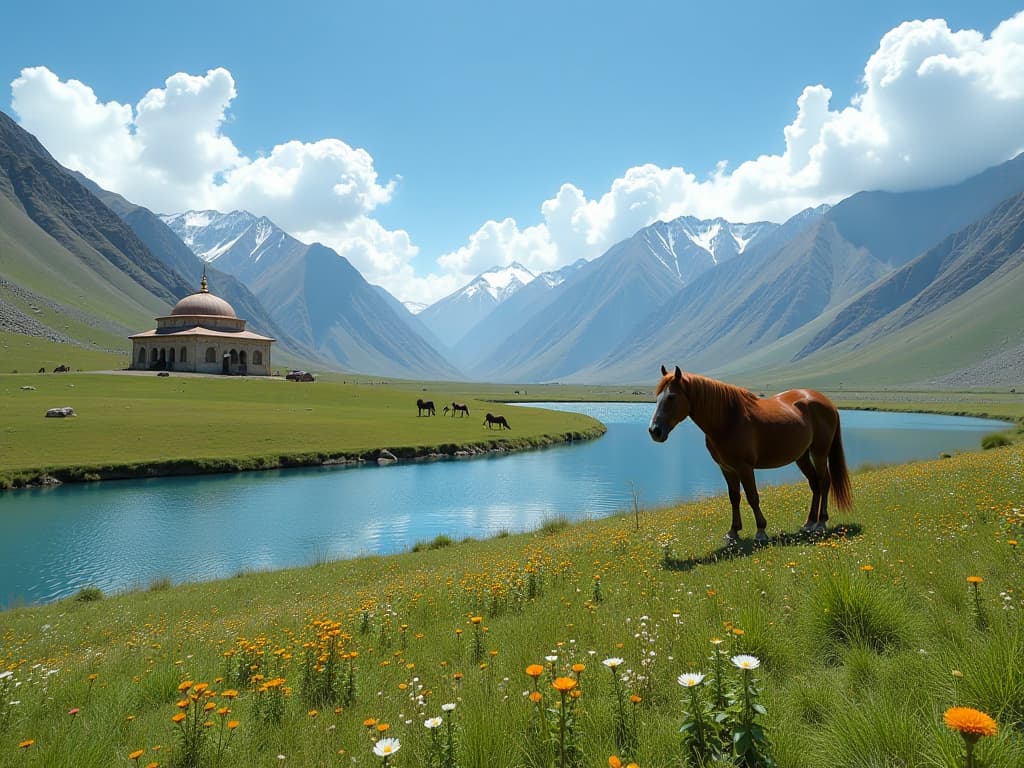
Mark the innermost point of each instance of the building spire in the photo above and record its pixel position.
(202, 285)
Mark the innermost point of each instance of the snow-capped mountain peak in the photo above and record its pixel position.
(500, 282)
(687, 246)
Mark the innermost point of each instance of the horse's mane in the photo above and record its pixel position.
(712, 396)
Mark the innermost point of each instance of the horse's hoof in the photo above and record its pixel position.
(730, 538)
(821, 527)
(807, 528)
(760, 537)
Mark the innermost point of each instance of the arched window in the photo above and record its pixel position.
(211, 355)
(257, 358)
(154, 355)
(183, 357)
(241, 357)
(142, 355)
(234, 357)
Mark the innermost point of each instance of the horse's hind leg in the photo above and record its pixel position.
(825, 483)
(807, 467)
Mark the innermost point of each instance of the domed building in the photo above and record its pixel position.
(203, 335)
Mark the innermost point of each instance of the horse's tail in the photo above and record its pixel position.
(842, 495)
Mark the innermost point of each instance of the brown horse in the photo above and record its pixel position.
(425, 406)
(501, 421)
(744, 432)
(460, 409)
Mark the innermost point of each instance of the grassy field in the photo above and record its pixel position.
(864, 637)
(143, 424)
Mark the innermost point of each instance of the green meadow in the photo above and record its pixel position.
(861, 639)
(131, 425)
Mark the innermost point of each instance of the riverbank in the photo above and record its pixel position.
(380, 456)
(148, 426)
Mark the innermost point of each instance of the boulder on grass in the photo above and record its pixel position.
(60, 413)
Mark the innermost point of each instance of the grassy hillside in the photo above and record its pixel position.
(863, 638)
(184, 423)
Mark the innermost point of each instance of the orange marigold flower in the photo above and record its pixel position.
(974, 579)
(564, 684)
(185, 685)
(26, 743)
(477, 619)
(231, 693)
(635, 699)
(535, 670)
(577, 668)
(535, 697)
(178, 717)
(971, 723)
(136, 754)
(867, 568)
(381, 727)
(232, 724)
(614, 762)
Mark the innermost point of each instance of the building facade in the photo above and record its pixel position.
(203, 335)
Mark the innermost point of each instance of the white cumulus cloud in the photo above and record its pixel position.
(935, 106)
(171, 152)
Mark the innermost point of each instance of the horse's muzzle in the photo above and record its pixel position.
(658, 434)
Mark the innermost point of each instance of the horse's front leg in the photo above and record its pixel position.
(732, 480)
(754, 500)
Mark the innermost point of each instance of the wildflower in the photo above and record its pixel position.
(370, 722)
(690, 679)
(564, 684)
(136, 755)
(535, 697)
(974, 579)
(448, 707)
(232, 724)
(26, 743)
(744, 661)
(577, 668)
(971, 723)
(185, 685)
(612, 662)
(74, 711)
(178, 717)
(313, 713)
(614, 762)
(386, 747)
(477, 619)
(432, 722)
(867, 568)
(634, 698)
(535, 671)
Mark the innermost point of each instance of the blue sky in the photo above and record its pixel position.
(469, 113)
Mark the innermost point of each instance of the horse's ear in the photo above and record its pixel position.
(679, 374)
(664, 371)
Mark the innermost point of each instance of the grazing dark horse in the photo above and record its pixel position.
(501, 421)
(744, 432)
(459, 409)
(426, 405)
(62, 369)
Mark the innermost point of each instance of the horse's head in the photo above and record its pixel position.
(672, 406)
